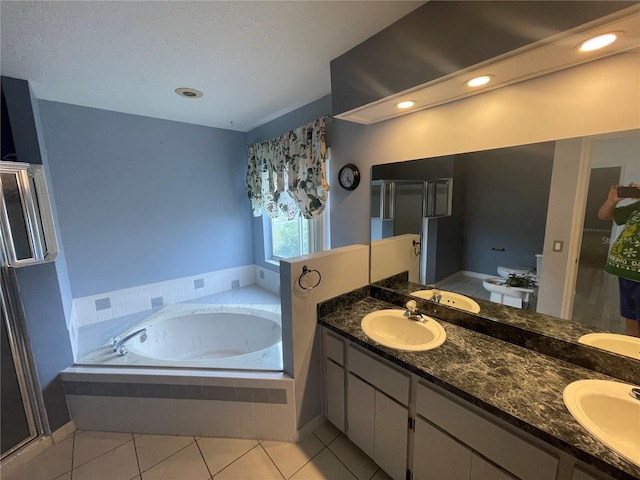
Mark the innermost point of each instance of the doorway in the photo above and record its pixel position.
(596, 295)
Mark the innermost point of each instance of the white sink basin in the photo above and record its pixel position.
(621, 344)
(607, 410)
(450, 299)
(392, 329)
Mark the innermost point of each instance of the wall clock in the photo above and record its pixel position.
(349, 177)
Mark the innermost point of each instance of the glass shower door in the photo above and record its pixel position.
(18, 421)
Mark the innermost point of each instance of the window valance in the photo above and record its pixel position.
(287, 174)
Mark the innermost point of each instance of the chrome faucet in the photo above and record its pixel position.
(436, 295)
(119, 345)
(412, 312)
(635, 393)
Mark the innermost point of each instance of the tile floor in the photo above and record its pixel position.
(89, 455)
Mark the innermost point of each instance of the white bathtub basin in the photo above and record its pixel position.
(392, 329)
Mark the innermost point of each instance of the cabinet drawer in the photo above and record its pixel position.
(334, 347)
(511, 452)
(385, 378)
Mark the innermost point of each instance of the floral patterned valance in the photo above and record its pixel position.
(287, 174)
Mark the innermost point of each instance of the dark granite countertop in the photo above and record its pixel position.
(518, 385)
(542, 333)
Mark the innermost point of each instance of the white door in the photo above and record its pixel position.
(437, 456)
(361, 414)
(391, 432)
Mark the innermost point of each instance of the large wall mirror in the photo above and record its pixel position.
(507, 207)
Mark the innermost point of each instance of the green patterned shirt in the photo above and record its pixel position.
(624, 257)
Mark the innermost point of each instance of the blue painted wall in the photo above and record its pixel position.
(142, 200)
(506, 198)
(290, 121)
(48, 335)
(44, 289)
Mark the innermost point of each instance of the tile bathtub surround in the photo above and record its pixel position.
(118, 303)
(182, 403)
(191, 392)
(95, 336)
(267, 279)
(325, 454)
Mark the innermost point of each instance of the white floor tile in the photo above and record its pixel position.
(324, 466)
(53, 462)
(220, 452)
(117, 456)
(90, 445)
(152, 449)
(186, 464)
(118, 464)
(291, 457)
(381, 475)
(355, 459)
(251, 466)
(64, 476)
(326, 432)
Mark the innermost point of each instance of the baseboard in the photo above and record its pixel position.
(311, 426)
(64, 432)
(468, 273)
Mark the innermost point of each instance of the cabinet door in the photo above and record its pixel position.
(483, 470)
(360, 414)
(334, 378)
(437, 456)
(391, 436)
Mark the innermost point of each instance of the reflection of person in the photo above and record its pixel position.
(624, 256)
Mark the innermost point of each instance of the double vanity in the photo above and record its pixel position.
(430, 391)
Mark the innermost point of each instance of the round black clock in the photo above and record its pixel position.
(349, 177)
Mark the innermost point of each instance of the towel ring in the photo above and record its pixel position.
(305, 272)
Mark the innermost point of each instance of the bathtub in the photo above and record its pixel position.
(221, 337)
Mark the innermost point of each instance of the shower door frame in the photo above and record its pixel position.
(32, 400)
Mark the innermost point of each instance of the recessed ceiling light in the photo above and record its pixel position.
(406, 104)
(598, 42)
(479, 81)
(188, 92)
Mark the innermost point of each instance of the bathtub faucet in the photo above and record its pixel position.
(119, 345)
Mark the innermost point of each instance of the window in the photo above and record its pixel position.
(292, 238)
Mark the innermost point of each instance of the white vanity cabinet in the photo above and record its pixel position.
(473, 443)
(378, 425)
(377, 411)
(438, 456)
(413, 429)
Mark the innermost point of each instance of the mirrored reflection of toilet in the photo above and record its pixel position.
(512, 296)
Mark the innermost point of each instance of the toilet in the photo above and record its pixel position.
(512, 296)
